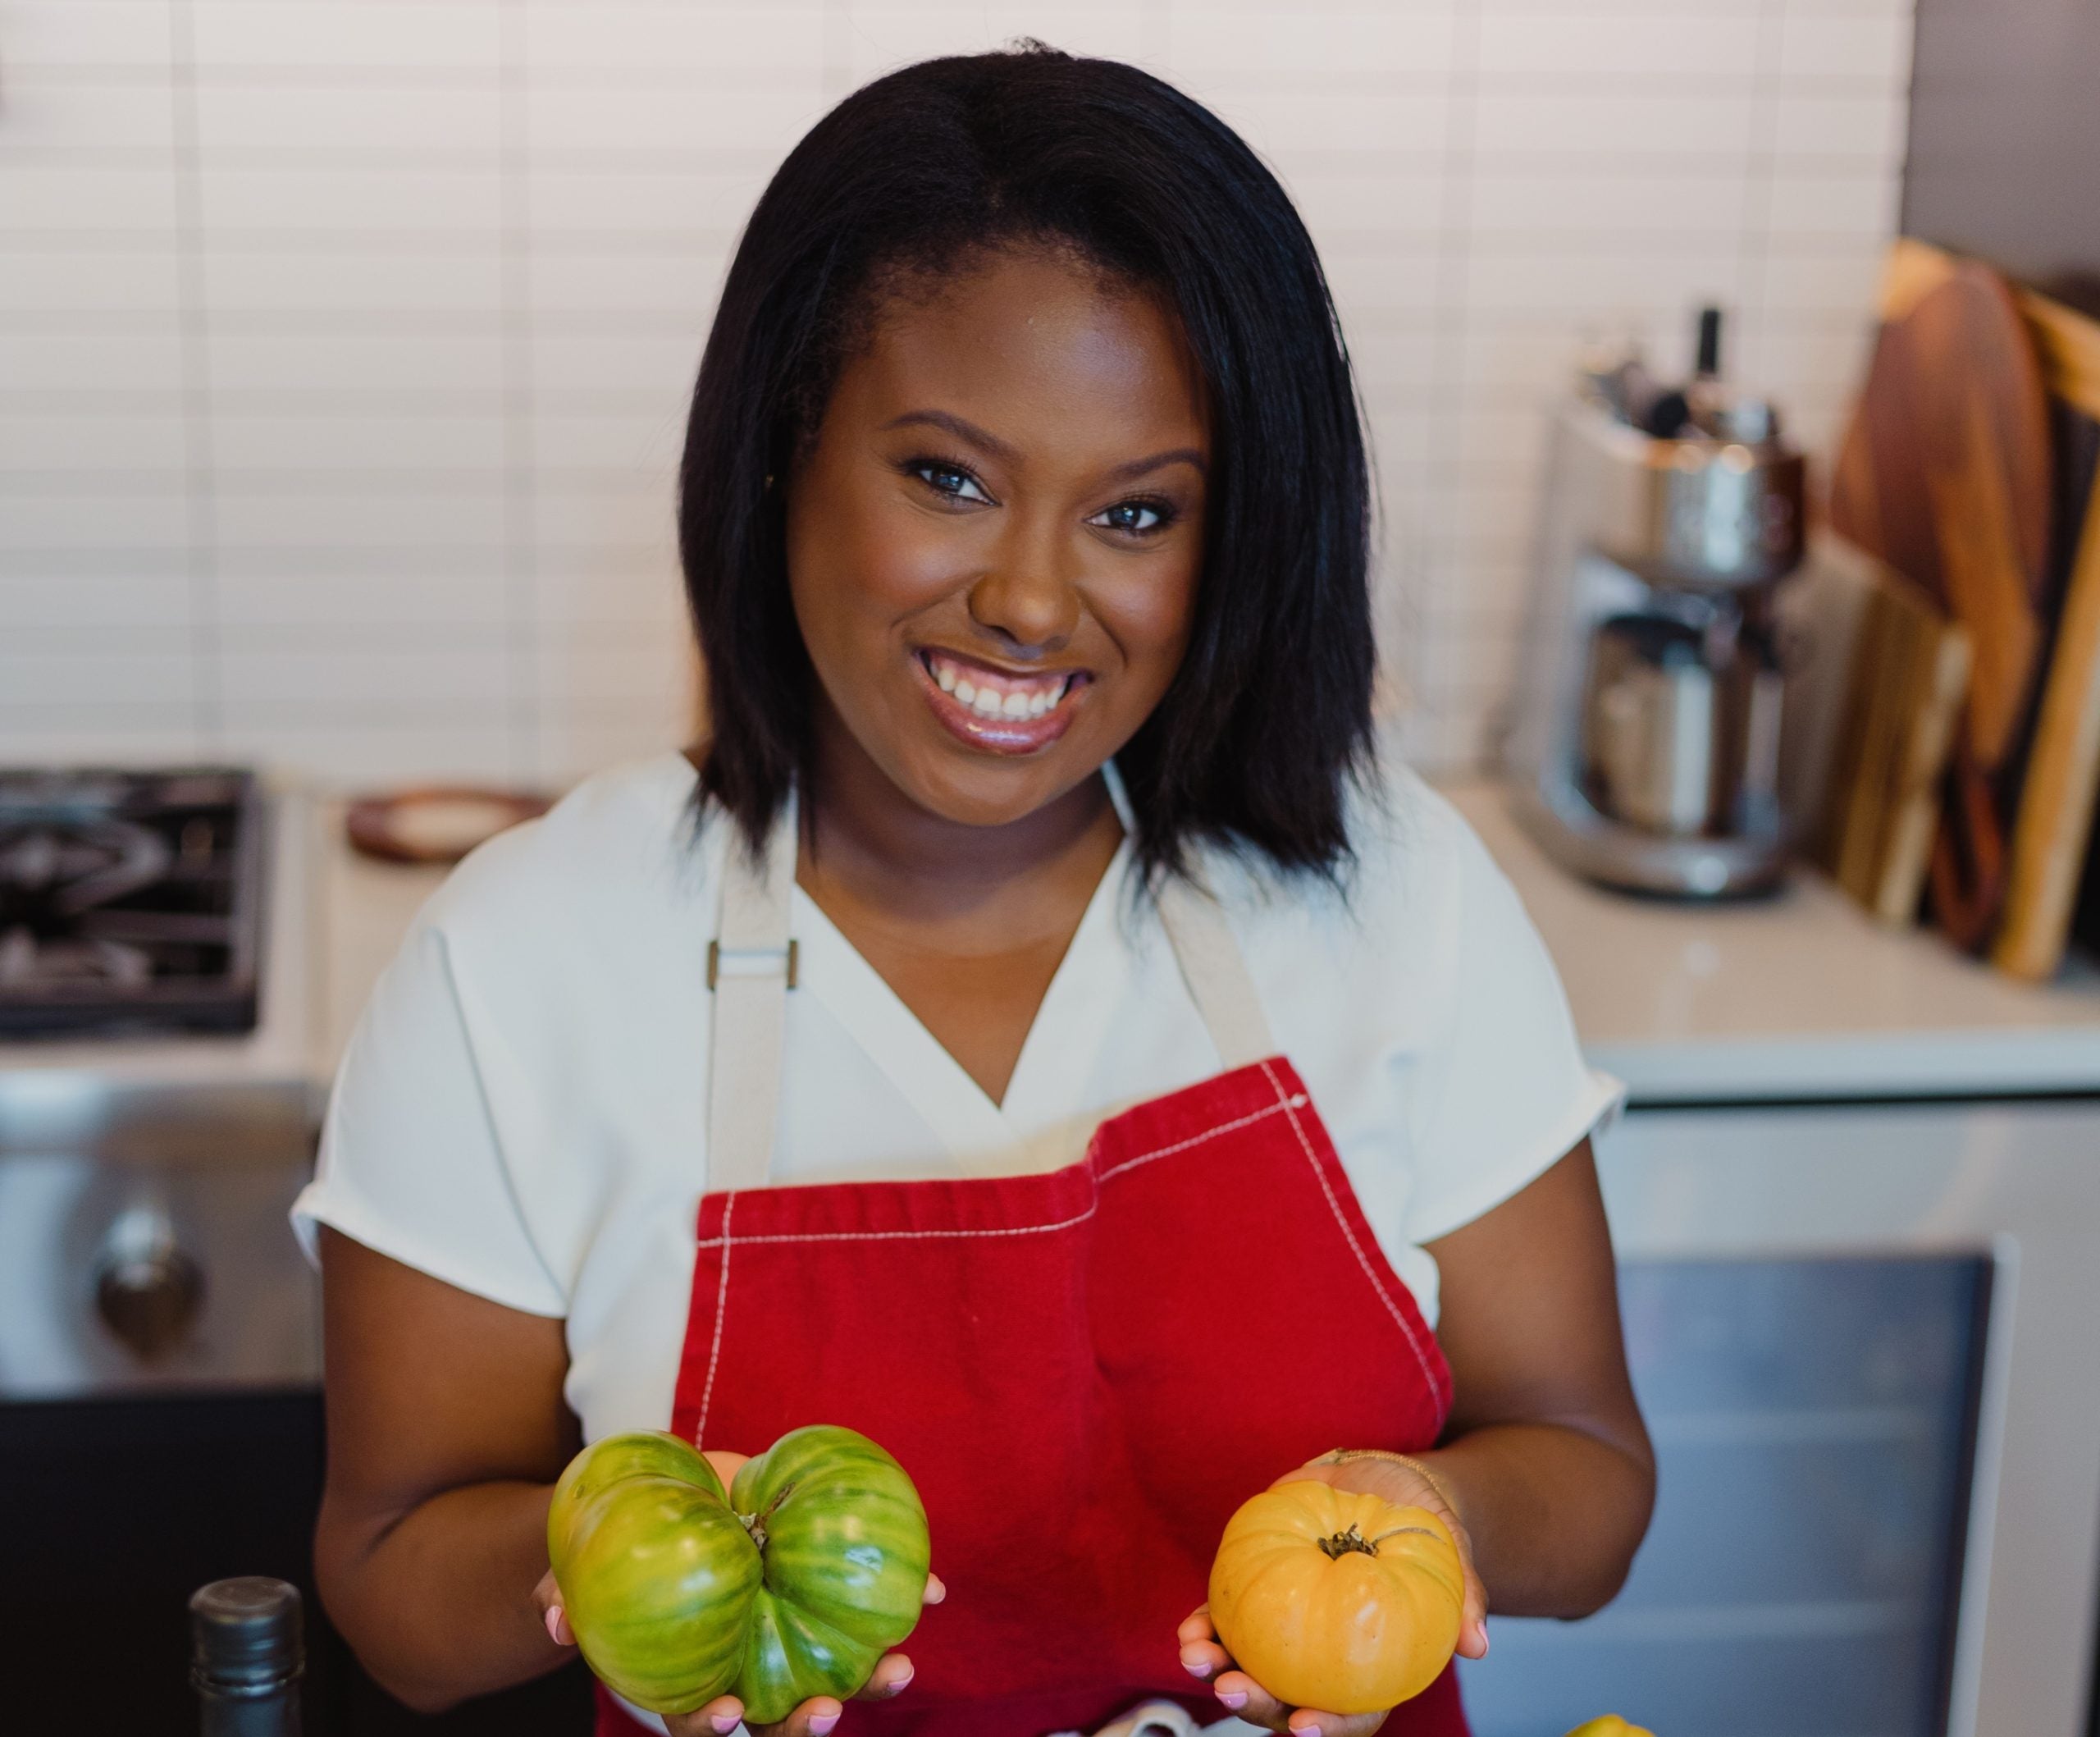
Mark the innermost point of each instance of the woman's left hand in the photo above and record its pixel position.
(1241, 1694)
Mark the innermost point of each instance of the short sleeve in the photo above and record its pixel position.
(411, 1163)
(1511, 1093)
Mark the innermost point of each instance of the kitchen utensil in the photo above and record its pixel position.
(1945, 474)
(1648, 724)
(2052, 831)
(1908, 673)
(1644, 747)
(437, 825)
(1676, 721)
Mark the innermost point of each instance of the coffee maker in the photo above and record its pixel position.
(1645, 744)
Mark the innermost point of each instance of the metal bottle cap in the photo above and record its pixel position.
(246, 1634)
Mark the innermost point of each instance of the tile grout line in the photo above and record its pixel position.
(1432, 578)
(1754, 243)
(200, 493)
(836, 79)
(526, 733)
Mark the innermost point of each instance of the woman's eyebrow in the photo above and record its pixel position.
(989, 442)
(955, 425)
(1160, 461)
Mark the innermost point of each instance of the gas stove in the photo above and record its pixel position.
(159, 1083)
(130, 901)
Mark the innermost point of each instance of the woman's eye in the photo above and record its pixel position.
(1134, 517)
(951, 480)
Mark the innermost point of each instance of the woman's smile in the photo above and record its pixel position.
(997, 709)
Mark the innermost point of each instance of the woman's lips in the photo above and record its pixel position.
(998, 710)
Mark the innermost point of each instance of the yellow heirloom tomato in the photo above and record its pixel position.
(1335, 1600)
(1609, 1726)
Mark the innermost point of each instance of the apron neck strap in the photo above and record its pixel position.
(751, 965)
(1216, 972)
(1204, 949)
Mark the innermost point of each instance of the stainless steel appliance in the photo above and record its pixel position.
(159, 1331)
(1645, 742)
(1862, 1332)
(161, 1075)
(1815, 1424)
(157, 1097)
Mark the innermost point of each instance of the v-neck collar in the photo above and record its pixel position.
(1063, 1044)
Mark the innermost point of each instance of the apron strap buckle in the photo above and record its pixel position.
(752, 962)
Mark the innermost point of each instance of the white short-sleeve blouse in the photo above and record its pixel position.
(522, 1112)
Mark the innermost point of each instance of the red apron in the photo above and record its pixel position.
(1086, 1371)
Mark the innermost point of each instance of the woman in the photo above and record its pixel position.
(1037, 1029)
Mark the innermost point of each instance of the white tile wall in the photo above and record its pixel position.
(342, 343)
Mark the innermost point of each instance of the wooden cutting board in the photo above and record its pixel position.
(1945, 475)
(1908, 676)
(2053, 836)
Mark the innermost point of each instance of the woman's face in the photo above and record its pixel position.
(994, 543)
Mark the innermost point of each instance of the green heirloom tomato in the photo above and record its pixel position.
(655, 1572)
(794, 1585)
(843, 1536)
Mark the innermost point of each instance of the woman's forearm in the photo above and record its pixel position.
(1554, 1514)
(438, 1603)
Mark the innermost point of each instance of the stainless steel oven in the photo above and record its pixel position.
(161, 1421)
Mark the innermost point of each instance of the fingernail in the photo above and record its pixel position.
(1234, 1698)
(1198, 1666)
(554, 1624)
(902, 1684)
(726, 1721)
(820, 1723)
(1305, 1730)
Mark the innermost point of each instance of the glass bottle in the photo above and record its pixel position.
(248, 1654)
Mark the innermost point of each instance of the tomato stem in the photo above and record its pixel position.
(754, 1524)
(1342, 1542)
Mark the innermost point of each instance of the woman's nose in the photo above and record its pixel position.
(1030, 595)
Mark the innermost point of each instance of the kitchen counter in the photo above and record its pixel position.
(1800, 996)
(1797, 997)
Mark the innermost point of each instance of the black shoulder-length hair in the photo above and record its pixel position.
(1262, 732)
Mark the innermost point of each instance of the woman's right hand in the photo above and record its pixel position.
(814, 1718)
(1243, 1698)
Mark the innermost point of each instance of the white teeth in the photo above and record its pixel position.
(1029, 702)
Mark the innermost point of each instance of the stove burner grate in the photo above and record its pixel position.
(128, 901)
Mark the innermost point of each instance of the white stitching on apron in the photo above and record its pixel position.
(721, 1309)
(1283, 1106)
(1370, 1272)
